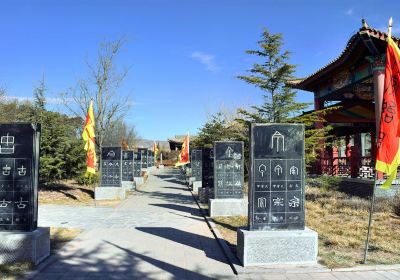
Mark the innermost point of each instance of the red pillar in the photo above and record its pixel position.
(378, 70)
(335, 161)
(318, 105)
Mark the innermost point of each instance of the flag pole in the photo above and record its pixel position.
(371, 210)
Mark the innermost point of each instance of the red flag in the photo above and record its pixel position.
(184, 155)
(388, 153)
(88, 136)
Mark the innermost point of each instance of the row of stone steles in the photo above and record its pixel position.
(122, 170)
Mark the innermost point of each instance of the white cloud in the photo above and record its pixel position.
(205, 59)
(349, 12)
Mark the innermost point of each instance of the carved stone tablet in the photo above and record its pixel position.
(196, 163)
(208, 167)
(228, 169)
(127, 165)
(276, 199)
(137, 164)
(19, 173)
(144, 156)
(111, 166)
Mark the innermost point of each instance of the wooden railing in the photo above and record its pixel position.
(341, 166)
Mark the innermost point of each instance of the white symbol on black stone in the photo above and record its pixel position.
(238, 166)
(278, 201)
(277, 219)
(294, 170)
(294, 202)
(262, 168)
(125, 155)
(6, 170)
(238, 183)
(262, 202)
(21, 204)
(111, 154)
(278, 170)
(110, 164)
(7, 144)
(220, 183)
(21, 171)
(276, 139)
(4, 203)
(229, 152)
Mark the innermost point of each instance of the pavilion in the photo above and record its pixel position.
(353, 81)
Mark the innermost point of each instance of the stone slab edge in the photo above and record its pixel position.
(52, 258)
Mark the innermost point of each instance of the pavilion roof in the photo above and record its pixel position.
(364, 36)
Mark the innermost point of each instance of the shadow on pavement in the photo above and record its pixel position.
(204, 243)
(181, 208)
(124, 265)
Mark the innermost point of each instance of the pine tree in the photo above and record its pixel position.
(279, 104)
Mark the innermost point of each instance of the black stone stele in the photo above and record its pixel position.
(111, 166)
(228, 169)
(144, 156)
(137, 164)
(208, 167)
(19, 176)
(127, 166)
(151, 159)
(196, 162)
(276, 199)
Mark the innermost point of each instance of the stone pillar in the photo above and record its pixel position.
(378, 71)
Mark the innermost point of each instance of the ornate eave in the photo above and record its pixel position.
(367, 41)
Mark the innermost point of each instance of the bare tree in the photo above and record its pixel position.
(102, 86)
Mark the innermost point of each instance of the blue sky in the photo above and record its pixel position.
(184, 55)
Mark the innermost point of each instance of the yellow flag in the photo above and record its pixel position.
(88, 136)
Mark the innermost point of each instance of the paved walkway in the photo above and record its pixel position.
(156, 234)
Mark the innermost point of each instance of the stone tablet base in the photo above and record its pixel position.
(138, 180)
(196, 186)
(106, 193)
(31, 247)
(161, 166)
(277, 247)
(128, 186)
(228, 207)
(191, 180)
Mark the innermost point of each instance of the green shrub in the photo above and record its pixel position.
(88, 179)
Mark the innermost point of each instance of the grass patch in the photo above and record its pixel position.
(58, 238)
(341, 222)
(14, 271)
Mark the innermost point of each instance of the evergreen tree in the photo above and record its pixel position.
(279, 104)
